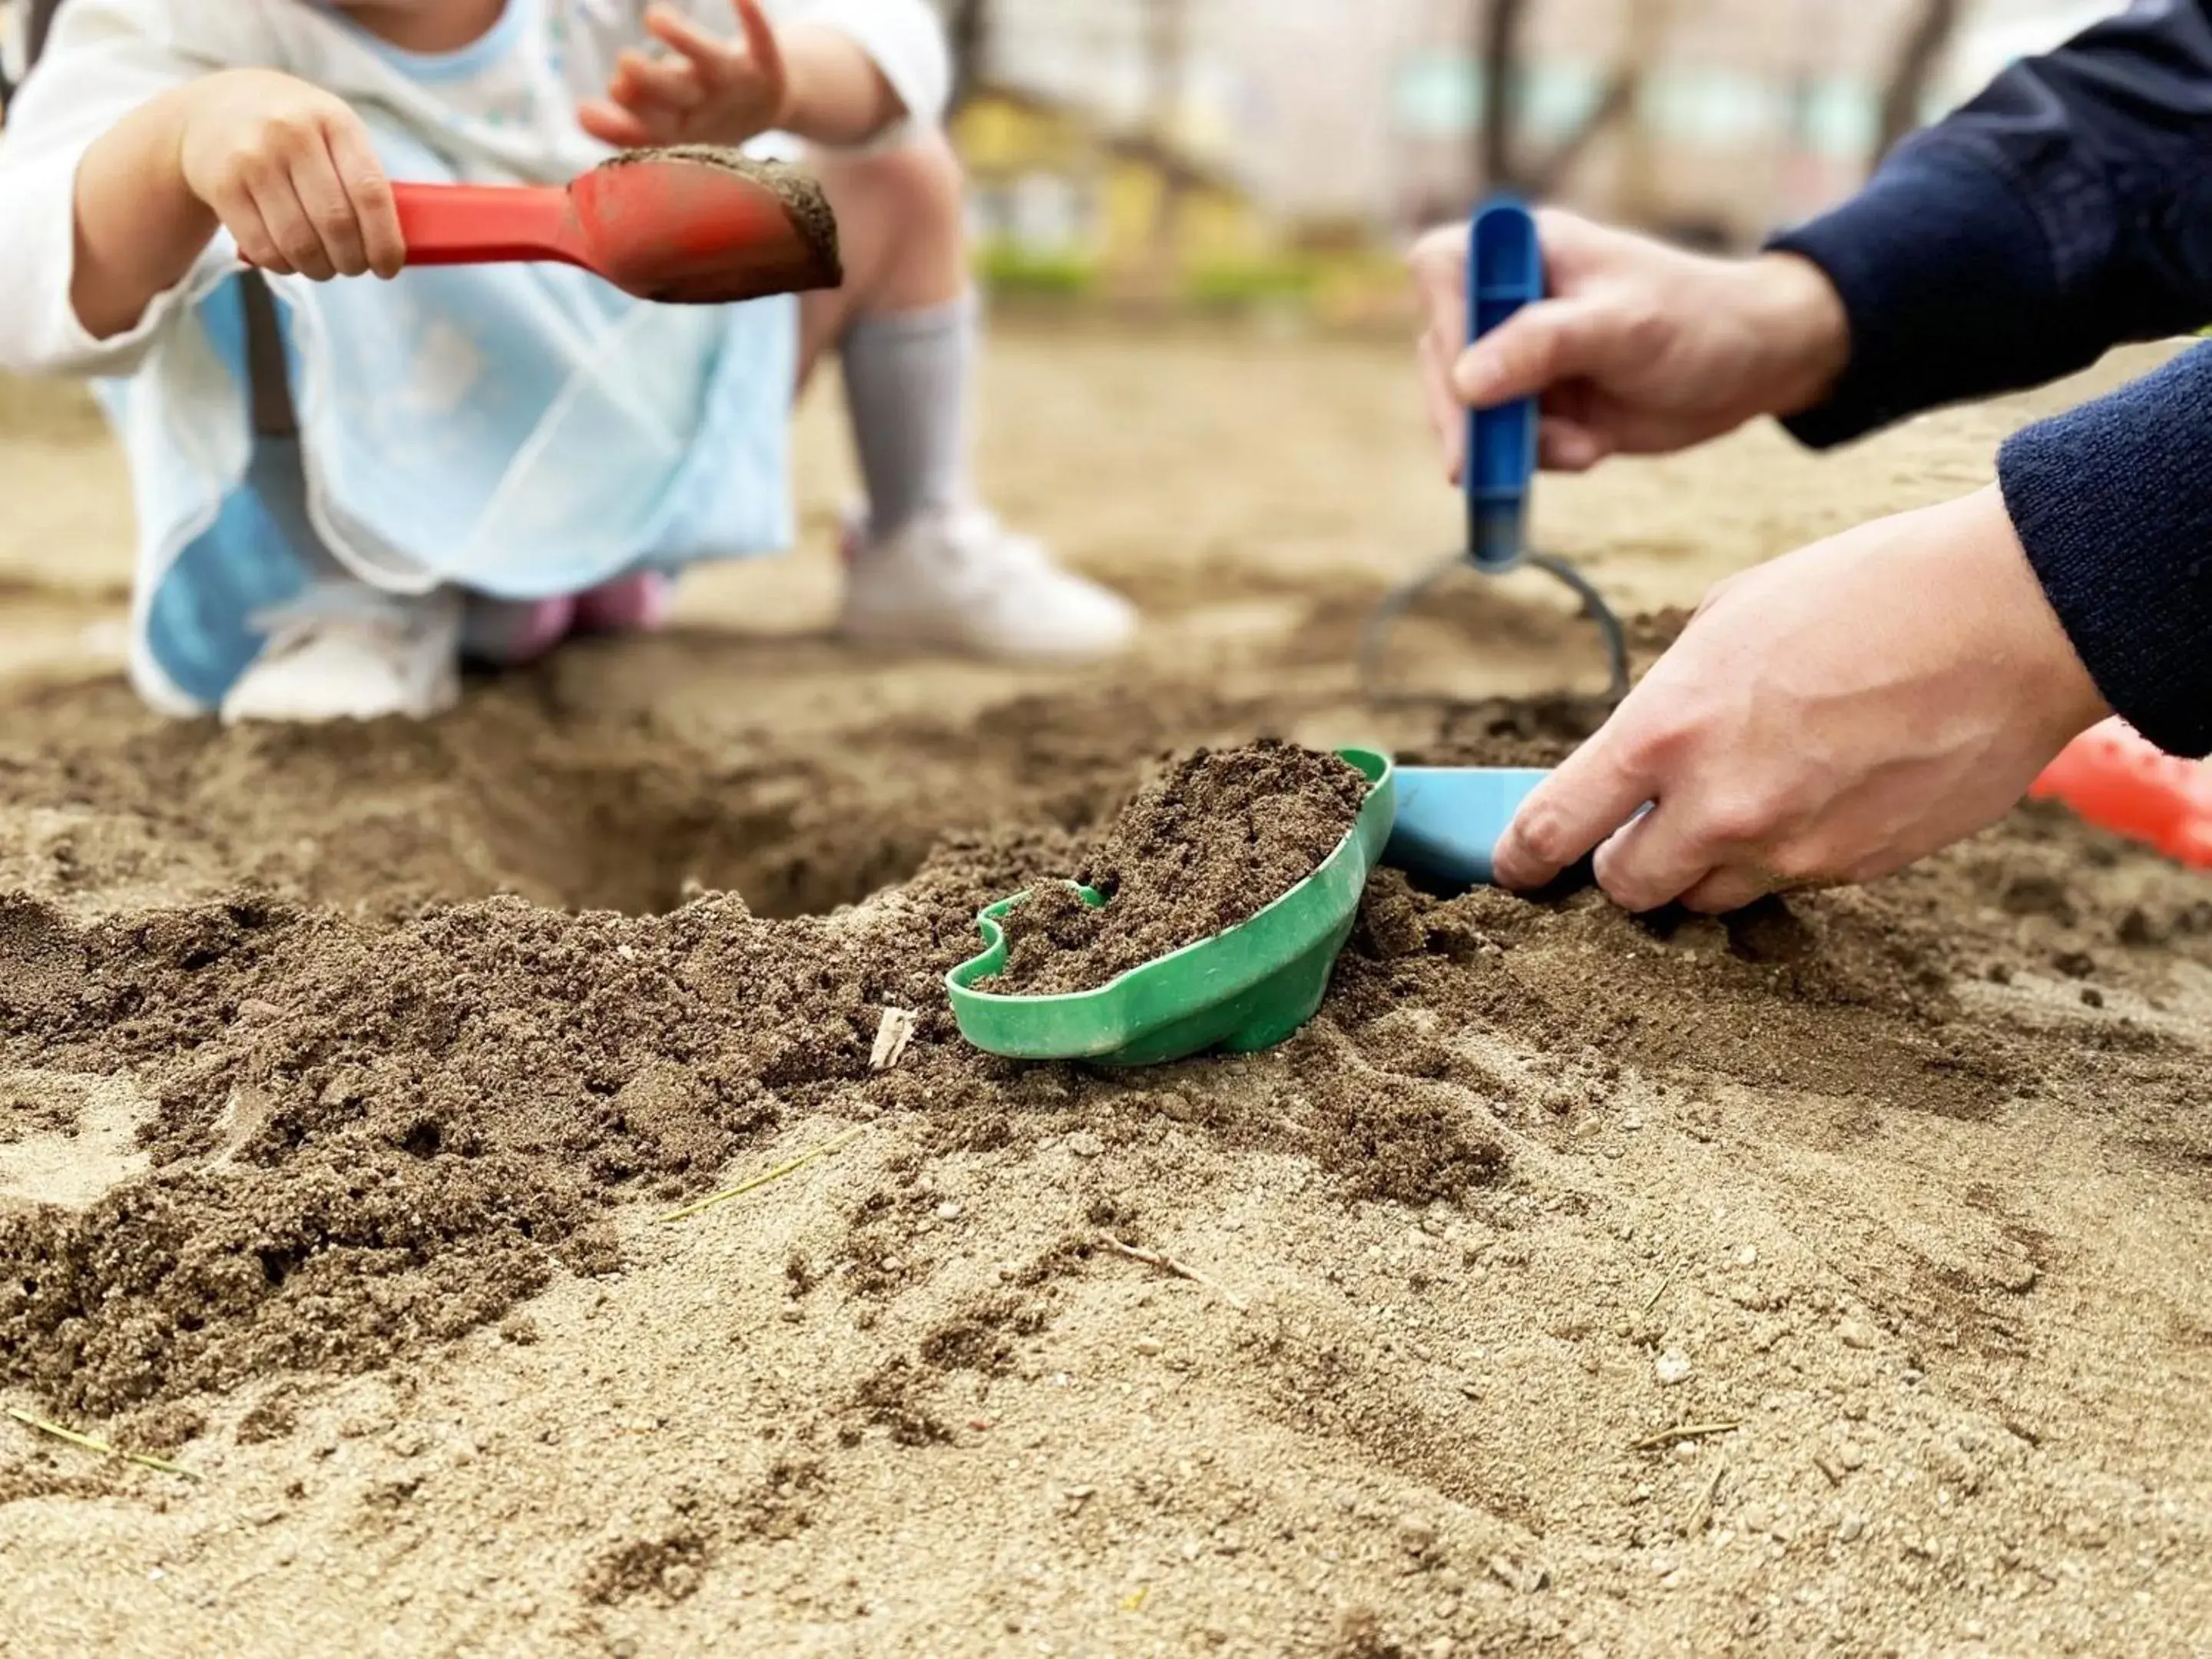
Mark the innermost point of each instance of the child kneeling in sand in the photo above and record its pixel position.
(487, 459)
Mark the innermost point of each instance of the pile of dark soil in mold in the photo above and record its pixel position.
(1211, 842)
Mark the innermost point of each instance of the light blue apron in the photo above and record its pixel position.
(520, 431)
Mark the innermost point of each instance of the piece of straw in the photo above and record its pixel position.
(87, 1442)
(1180, 1269)
(757, 1182)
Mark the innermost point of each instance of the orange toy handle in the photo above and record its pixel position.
(487, 224)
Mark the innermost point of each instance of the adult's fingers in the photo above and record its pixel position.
(1729, 888)
(1567, 445)
(1596, 790)
(1439, 267)
(376, 212)
(1447, 418)
(1657, 860)
(1541, 345)
(1572, 245)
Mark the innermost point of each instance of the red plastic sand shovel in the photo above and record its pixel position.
(687, 225)
(2119, 781)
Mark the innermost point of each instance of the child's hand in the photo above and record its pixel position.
(712, 91)
(290, 170)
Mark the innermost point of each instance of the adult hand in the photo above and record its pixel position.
(1639, 349)
(1825, 718)
(710, 91)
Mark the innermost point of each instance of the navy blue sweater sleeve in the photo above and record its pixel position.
(2113, 502)
(2065, 210)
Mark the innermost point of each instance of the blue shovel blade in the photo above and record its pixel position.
(1449, 818)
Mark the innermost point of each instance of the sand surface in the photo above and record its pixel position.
(1829, 1280)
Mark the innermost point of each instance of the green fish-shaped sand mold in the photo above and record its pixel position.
(1247, 988)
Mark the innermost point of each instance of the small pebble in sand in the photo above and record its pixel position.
(1855, 1333)
(1850, 1529)
(1671, 1369)
(1747, 1256)
(1148, 1346)
(949, 1211)
(1084, 1143)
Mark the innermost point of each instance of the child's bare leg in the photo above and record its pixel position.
(926, 567)
(901, 229)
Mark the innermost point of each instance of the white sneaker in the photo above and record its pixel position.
(350, 653)
(956, 579)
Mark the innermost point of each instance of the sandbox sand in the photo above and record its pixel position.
(1828, 1279)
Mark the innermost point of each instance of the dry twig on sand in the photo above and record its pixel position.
(1681, 1432)
(87, 1442)
(757, 1182)
(1701, 1512)
(1180, 1269)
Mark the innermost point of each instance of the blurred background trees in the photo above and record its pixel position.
(1260, 150)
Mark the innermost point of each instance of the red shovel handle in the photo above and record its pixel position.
(487, 224)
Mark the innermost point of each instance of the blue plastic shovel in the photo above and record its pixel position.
(1449, 819)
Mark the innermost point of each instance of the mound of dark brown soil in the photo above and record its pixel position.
(1213, 840)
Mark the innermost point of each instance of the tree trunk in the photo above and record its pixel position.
(1167, 51)
(969, 29)
(1497, 28)
(1639, 200)
(1167, 47)
(1913, 72)
(1501, 159)
(40, 19)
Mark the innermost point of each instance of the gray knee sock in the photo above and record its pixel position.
(906, 388)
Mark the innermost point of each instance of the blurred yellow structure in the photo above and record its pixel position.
(1059, 203)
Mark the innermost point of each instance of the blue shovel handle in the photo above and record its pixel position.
(1504, 272)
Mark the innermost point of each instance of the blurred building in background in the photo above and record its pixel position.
(1219, 147)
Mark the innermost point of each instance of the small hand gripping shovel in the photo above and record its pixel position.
(689, 226)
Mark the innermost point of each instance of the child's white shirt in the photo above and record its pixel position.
(520, 430)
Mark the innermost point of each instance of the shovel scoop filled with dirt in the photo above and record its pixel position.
(693, 225)
(1208, 916)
